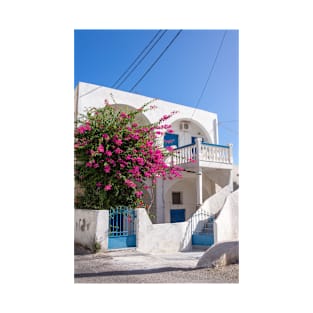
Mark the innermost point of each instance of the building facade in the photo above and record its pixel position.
(207, 165)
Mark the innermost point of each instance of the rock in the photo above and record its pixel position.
(220, 254)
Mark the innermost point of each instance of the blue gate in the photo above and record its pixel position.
(122, 230)
(202, 229)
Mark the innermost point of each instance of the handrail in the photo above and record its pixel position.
(203, 143)
(213, 145)
(207, 152)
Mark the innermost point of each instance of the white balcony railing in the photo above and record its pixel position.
(203, 151)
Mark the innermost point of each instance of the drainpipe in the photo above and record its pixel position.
(199, 174)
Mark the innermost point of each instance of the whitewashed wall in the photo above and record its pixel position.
(158, 238)
(226, 225)
(91, 227)
(89, 95)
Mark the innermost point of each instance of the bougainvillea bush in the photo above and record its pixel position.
(116, 158)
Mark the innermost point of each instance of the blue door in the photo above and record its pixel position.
(170, 140)
(193, 140)
(177, 216)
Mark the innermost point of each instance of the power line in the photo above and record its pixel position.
(210, 73)
(141, 53)
(142, 58)
(96, 88)
(159, 57)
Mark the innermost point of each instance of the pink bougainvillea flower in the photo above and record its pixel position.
(170, 131)
(140, 161)
(107, 168)
(101, 148)
(138, 194)
(108, 187)
(135, 137)
(123, 115)
(118, 142)
(118, 151)
(130, 183)
(111, 161)
(127, 152)
(81, 129)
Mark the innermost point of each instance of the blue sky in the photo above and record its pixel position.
(199, 69)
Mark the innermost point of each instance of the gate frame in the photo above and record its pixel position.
(122, 238)
(198, 221)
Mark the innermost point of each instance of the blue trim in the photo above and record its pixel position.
(214, 145)
(185, 146)
(122, 242)
(203, 239)
(203, 143)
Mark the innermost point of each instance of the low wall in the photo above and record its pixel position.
(215, 203)
(91, 227)
(226, 224)
(158, 238)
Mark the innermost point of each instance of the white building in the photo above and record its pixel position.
(178, 199)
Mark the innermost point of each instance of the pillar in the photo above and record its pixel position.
(198, 173)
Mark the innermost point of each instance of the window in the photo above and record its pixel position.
(176, 198)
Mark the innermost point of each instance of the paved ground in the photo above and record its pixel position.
(130, 266)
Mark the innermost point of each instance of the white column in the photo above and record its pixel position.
(199, 187)
(230, 153)
(231, 181)
(160, 207)
(199, 173)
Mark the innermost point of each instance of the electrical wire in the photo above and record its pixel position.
(92, 90)
(210, 73)
(137, 58)
(158, 58)
(141, 58)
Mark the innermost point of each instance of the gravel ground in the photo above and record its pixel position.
(130, 266)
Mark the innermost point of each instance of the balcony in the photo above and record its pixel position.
(202, 154)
